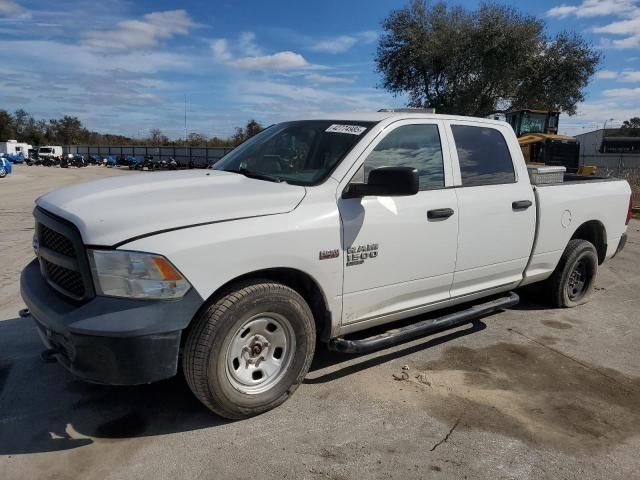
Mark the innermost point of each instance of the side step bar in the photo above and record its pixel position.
(418, 329)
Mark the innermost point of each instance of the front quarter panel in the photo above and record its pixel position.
(210, 256)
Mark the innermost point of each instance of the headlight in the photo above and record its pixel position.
(118, 273)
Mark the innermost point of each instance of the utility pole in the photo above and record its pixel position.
(185, 119)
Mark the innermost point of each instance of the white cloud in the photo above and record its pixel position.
(9, 8)
(594, 8)
(622, 93)
(310, 99)
(81, 58)
(592, 115)
(628, 25)
(561, 11)
(144, 33)
(627, 76)
(606, 75)
(220, 49)
(344, 42)
(317, 78)
(630, 76)
(245, 45)
(277, 61)
(630, 29)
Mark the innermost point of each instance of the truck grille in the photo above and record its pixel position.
(64, 278)
(55, 241)
(63, 261)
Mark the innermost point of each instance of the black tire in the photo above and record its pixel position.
(3, 172)
(572, 282)
(216, 331)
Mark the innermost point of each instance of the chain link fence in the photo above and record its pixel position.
(625, 166)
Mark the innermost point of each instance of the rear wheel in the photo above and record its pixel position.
(250, 349)
(573, 280)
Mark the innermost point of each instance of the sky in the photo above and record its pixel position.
(129, 66)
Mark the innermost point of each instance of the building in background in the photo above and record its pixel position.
(614, 151)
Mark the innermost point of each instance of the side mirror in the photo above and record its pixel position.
(386, 182)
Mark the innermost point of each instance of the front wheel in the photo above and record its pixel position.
(573, 280)
(250, 349)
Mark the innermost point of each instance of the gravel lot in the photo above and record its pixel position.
(527, 393)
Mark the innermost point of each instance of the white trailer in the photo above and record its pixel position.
(13, 147)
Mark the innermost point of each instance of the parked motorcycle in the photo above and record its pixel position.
(72, 160)
(93, 160)
(109, 161)
(135, 163)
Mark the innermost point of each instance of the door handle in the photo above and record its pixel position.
(521, 204)
(440, 213)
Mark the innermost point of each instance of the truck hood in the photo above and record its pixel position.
(113, 210)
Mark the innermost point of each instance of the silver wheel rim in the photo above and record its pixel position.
(259, 353)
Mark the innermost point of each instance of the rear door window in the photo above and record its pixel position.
(483, 155)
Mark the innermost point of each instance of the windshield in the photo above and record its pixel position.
(44, 150)
(533, 123)
(302, 153)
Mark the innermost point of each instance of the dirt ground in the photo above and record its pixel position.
(531, 392)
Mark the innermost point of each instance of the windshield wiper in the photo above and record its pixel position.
(258, 175)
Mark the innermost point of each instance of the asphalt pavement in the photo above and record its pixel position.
(527, 393)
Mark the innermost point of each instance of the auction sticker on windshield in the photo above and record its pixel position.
(350, 129)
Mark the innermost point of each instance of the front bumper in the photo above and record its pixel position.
(114, 341)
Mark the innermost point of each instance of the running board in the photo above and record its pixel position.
(418, 329)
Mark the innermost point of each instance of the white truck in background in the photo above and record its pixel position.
(312, 230)
(50, 152)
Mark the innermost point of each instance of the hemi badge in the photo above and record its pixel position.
(326, 254)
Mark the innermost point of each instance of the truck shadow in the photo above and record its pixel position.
(326, 359)
(43, 408)
(533, 297)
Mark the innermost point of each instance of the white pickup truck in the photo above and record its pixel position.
(311, 230)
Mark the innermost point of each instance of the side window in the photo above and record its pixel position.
(483, 155)
(416, 146)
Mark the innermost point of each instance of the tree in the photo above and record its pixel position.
(157, 138)
(196, 139)
(632, 123)
(7, 130)
(20, 122)
(238, 136)
(252, 128)
(69, 130)
(481, 62)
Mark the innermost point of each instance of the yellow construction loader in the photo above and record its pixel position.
(537, 132)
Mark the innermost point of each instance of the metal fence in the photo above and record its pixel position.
(617, 165)
(199, 157)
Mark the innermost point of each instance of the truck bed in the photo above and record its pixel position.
(563, 208)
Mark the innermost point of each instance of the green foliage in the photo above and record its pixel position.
(481, 62)
(631, 124)
(70, 131)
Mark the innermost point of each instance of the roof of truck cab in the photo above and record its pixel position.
(380, 116)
